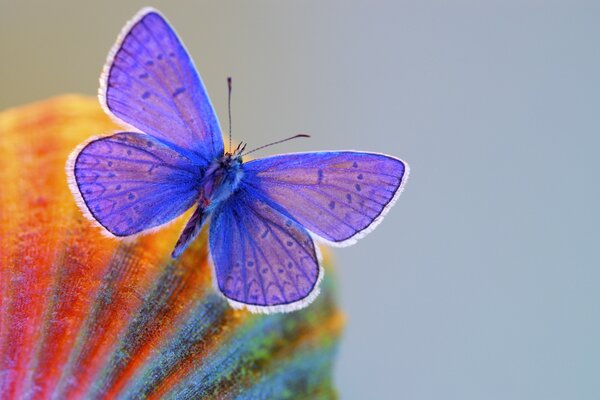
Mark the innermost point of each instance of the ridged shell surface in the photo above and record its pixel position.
(88, 317)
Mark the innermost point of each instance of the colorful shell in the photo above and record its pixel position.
(85, 316)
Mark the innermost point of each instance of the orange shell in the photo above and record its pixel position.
(86, 316)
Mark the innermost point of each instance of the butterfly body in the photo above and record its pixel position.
(264, 214)
(219, 181)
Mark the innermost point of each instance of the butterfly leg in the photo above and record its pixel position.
(191, 230)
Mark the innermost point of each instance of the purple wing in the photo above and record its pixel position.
(150, 83)
(263, 259)
(338, 196)
(130, 182)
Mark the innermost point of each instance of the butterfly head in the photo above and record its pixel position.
(230, 164)
(236, 154)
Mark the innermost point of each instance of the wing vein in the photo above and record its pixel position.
(159, 81)
(250, 238)
(180, 77)
(292, 280)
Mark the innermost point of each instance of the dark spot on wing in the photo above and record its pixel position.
(280, 270)
(320, 176)
(264, 270)
(288, 223)
(360, 176)
(149, 143)
(290, 265)
(118, 187)
(145, 95)
(172, 54)
(128, 152)
(110, 163)
(250, 263)
(289, 243)
(111, 175)
(144, 75)
(178, 91)
(264, 234)
(354, 164)
(357, 186)
(349, 197)
(149, 63)
(331, 205)
(159, 57)
(131, 196)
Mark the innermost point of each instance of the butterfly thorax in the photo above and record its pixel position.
(221, 180)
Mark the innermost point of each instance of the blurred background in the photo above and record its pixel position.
(483, 282)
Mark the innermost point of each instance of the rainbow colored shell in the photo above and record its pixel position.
(85, 316)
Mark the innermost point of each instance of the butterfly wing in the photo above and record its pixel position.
(338, 196)
(150, 83)
(263, 259)
(130, 182)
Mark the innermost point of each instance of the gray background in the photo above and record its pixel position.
(483, 281)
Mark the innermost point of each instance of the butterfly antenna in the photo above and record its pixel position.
(277, 142)
(229, 108)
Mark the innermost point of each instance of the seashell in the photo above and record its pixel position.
(85, 316)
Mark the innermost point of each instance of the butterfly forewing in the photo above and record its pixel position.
(130, 182)
(150, 83)
(335, 195)
(262, 258)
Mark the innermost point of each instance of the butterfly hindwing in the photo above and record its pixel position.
(338, 196)
(150, 83)
(130, 182)
(263, 259)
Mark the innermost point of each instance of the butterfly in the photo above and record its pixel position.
(264, 213)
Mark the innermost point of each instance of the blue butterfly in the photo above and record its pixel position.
(264, 213)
